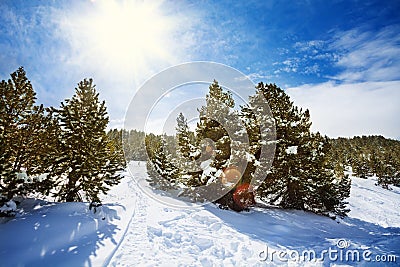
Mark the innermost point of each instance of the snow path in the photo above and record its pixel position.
(108, 259)
(163, 236)
(130, 252)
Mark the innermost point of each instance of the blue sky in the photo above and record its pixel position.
(340, 59)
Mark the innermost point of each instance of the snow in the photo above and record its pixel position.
(23, 176)
(206, 165)
(291, 150)
(374, 204)
(139, 231)
(9, 206)
(250, 157)
(41, 177)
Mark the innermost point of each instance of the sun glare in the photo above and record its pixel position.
(127, 34)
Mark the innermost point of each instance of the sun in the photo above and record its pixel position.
(133, 35)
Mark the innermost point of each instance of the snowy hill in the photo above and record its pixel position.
(134, 230)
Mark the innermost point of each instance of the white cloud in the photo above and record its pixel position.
(368, 56)
(364, 99)
(313, 69)
(306, 57)
(257, 76)
(356, 55)
(368, 108)
(289, 65)
(309, 46)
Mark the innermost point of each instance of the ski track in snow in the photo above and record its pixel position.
(108, 259)
(162, 236)
(130, 250)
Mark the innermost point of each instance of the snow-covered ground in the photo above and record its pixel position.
(135, 230)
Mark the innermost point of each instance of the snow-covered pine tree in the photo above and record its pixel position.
(325, 190)
(161, 168)
(189, 170)
(182, 136)
(222, 137)
(152, 143)
(300, 176)
(211, 135)
(360, 165)
(260, 127)
(44, 162)
(89, 166)
(388, 170)
(26, 139)
(282, 185)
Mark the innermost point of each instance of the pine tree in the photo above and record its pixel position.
(301, 176)
(326, 188)
(189, 170)
(283, 186)
(231, 147)
(182, 136)
(223, 141)
(211, 131)
(387, 171)
(89, 166)
(360, 165)
(44, 162)
(27, 136)
(161, 168)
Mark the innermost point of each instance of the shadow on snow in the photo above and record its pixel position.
(299, 230)
(63, 234)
